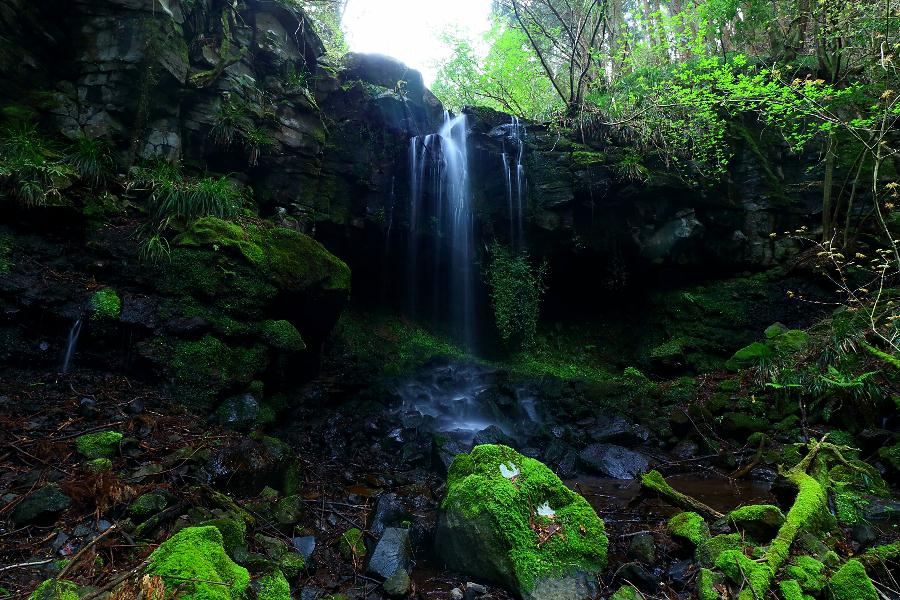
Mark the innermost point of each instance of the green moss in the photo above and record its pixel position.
(706, 585)
(55, 590)
(791, 341)
(744, 571)
(282, 336)
(582, 159)
(476, 487)
(352, 544)
(273, 586)
(233, 532)
(765, 515)
(99, 465)
(106, 305)
(293, 260)
(195, 561)
(204, 367)
(808, 513)
(881, 554)
(104, 444)
(5, 253)
(750, 356)
(147, 505)
(790, 590)
(709, 550)
(891, 455)
(851, 582)
(292, 563)
(809, 573)
(689, 526)
(627, 592)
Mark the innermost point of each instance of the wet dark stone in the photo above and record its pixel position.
(680, 573)
(389, 512)
(305, 545)
(618, 431)
(493, 435)
(392, 553)
(248, 466)
(638, 576)
(642, 548)
(614, 461)
(41, 506)
(685, 450)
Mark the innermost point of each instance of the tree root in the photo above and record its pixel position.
(655, 482)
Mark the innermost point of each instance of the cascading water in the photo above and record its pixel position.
(440, 204)
(514, 171)
(72, 341)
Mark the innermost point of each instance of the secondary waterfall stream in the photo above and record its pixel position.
(71, 343)
(514, 176)
(440, 206)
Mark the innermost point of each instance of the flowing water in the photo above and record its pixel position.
(440, 208)
(514, 176)
(71, 343)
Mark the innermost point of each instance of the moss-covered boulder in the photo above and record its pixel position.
(195, 561)
(851, 582)
(244, 300)
(273, 586)
(509, 519)
(689, 526)
(759, 521)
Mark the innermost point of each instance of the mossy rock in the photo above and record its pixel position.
(283, 336)
(273, 586)
(759, 521)
(233, 530)
(709, 550)
(204, 368)
(104, 444)
(891, 456)
(147, 505)
(99, 465)
(55, 590)
(851, 582)
(689, 526)
(509, 519)
(194, 561)
(707, 580)
(745, 573)
(750, 356)
(808, 572)
(291, 564)
(791, 590)
(627, 592)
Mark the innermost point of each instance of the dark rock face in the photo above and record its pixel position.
(614, 461)
(44, 504)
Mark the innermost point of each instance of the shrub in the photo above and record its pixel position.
(516, 289)
(31, 170)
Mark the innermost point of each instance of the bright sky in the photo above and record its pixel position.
(410, 30)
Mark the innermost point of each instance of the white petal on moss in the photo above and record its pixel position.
(509, 470)
(544, 510)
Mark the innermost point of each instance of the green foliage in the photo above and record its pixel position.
(5, 253)
(352, 545)
(516, 288)
(32, 170)
(92, 159)
(55, 590)
(106, 305)
(508, 78)
(283, 336)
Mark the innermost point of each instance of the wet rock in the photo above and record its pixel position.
(493, 435)
(305, 545)
(311, 593)
(680, 572)
(619, 431)
(473, 590)
(685, 450)
(389, 512)
(289, 510)
(392, 553)
(642, 548)
(760, 521)
(456, 594)
(240, 412)
(562, 458)
(249, 465)
(444, 451)
(614, 461)
(639, 576)
(398, 584)
(41, 506)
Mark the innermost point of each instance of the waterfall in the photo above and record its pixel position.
(74, 332)
(440, 205)
(515, 181)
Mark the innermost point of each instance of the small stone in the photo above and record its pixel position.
(305, 545)
(473, 590)
(456, 594)
(392, 553)
(398, 584)
(42, 505)
(59, 541)
(642, 548)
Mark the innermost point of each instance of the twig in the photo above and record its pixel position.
(28, 564)
(112, 584)
(81, 552)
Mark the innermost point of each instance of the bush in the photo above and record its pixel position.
(516, 289)
(31, 170)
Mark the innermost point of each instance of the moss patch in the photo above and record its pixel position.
(689, 526)
(352, 544)
(282, 336)
(808, 572)
(508, 490)
(192, 559)
(104, 444)
(55, 590)
(106, 305)
(204, 367)
(273, 586)
(627, 592)
(742, 570)
(709, 550)
(851, 582)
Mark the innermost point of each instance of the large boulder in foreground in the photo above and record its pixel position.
(509, 519)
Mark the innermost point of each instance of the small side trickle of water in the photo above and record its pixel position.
(516, 183)
(71, 343)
